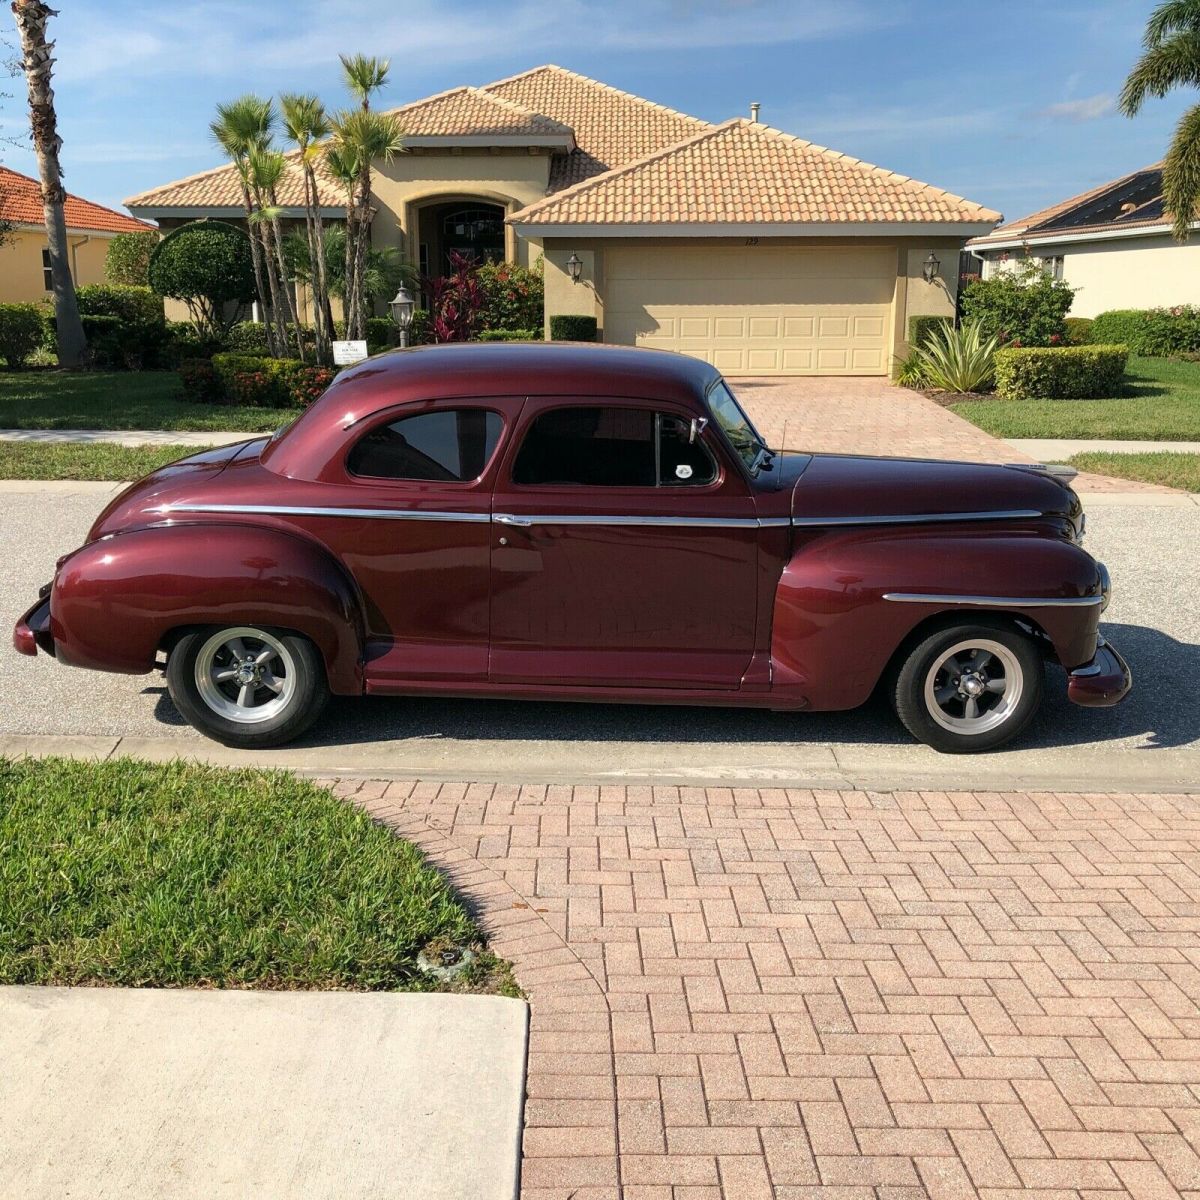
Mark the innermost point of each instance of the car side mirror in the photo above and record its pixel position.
(698, 424)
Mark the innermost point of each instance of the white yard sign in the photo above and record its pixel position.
(345, 353)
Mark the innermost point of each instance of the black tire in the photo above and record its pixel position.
(1007, 670)
(270, 718)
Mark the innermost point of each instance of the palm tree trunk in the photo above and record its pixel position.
(288, 293)
(32, 16)
(256, 256)
(349, 299)
(322, 327)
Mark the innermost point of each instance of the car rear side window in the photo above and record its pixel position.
(451, 445)
(609, 446)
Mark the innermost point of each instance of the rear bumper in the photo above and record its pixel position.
(32, 632)
(1103, 682)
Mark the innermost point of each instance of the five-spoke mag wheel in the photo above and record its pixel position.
(246, 685)
(970, 687)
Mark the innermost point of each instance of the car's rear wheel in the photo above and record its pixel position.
(246, 685)
(970, 687)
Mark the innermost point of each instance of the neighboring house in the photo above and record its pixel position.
(755, 250)
(1113, 243)
(24, 251)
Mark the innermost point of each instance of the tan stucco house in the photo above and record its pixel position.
(760, 252)
(1113, 243)
(24, 251)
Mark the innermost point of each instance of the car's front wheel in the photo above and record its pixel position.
(246, 685)
(970, 687)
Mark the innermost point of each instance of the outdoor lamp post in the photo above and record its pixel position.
(574, 267)
(402, 307)
(931, 266)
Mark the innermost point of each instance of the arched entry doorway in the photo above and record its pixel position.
(474, 228)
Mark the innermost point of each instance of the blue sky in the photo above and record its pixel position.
(1010, 105)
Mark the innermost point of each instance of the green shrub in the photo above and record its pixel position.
(1024, 306)
(510, 335)
(1079, 331)
(1060, 372)
(200, 382)
(514, 296)
(207, 265)
(247, 337)
(21, 333)
(573, 327)
(183, 342)
(922, 327)
(959, 360)
(128, 258)
(382, 334)
(269, 382)
(1152, 332)
(124, 325)
(129, 304)
(910, 372)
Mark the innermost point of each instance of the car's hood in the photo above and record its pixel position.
(843, 487)
(127, 508)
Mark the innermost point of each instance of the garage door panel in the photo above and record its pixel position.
(757, 310)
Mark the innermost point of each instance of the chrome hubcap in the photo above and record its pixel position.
(974, 686)
(245, 675)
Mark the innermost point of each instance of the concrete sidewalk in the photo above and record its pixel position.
(129, 437)
(122, 1092)
(1060, 449)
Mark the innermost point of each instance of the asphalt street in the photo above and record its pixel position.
(1154, 619)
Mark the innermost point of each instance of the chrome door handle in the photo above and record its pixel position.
(509, 519)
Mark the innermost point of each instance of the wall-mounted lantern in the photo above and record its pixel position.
(575, 267)
(931, 266)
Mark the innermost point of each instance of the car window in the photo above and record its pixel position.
(610, 446)
(743, 437)
(451, 445)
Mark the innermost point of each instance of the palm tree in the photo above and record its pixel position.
(266, 168)
(242, 125)
(307, 125)
(38, 63)
(384, 270)
(1171, 59)
(364, 76)
(360, 137)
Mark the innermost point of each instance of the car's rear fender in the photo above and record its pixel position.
(846, 602)
(116, 601)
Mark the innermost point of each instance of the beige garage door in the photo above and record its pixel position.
(755, 310)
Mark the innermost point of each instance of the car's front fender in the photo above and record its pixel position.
(847, 601)
(116, 600)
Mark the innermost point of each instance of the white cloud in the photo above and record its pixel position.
(1087, 108)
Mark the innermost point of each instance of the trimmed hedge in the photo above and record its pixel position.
(21, 333)
(1060, 372)
(1153, 332)
(573, 327)
(128, 303)
(1079, 333)
(269, 382)
(509, 335)
(922, 327)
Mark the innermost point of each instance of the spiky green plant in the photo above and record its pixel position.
(1170, 60)
(958, 360)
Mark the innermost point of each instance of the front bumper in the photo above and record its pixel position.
(32, 631)
(1103, 682)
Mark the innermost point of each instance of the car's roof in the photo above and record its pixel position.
(479, 370)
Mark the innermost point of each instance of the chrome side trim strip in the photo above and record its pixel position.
(996, 601)
(289, 510)
(622, 519)
(923, 518)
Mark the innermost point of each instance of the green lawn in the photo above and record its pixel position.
(1161, 401)
(82, 460)
(1174, 470)
(118, 400)
(131, 874)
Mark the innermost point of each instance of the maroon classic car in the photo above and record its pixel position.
(579, 523)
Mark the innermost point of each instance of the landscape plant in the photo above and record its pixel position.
(1023, 305)
(1153, 332)
(958, 360)
(208, 265)
(1060, 372)
(456, 301)
(573, 327)
(514, 296)
(21, 333)
(127, 260)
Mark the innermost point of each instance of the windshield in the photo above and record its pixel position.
(734, 423)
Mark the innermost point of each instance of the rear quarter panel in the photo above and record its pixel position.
(833, 634)
(115, 600)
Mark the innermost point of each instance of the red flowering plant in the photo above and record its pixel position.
(455, 301)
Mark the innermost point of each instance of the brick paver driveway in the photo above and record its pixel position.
(748, 994)
(870, 416)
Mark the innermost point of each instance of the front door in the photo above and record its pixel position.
(624, 553)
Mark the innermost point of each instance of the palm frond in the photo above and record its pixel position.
(304, 118)
(1162, 68)
(1181, 175)
(368, 136)
(244, 124)
(265, 168)
(1173, 16)
(364, 75)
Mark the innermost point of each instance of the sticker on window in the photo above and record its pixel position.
(683, 471)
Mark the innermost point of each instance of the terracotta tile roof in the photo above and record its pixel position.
(21, 203)
(611, 127)
(475, 112)
(1132, 201)
(221, 187)
(747, 173)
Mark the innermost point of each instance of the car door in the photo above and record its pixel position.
(625, 550)
(422, 477)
